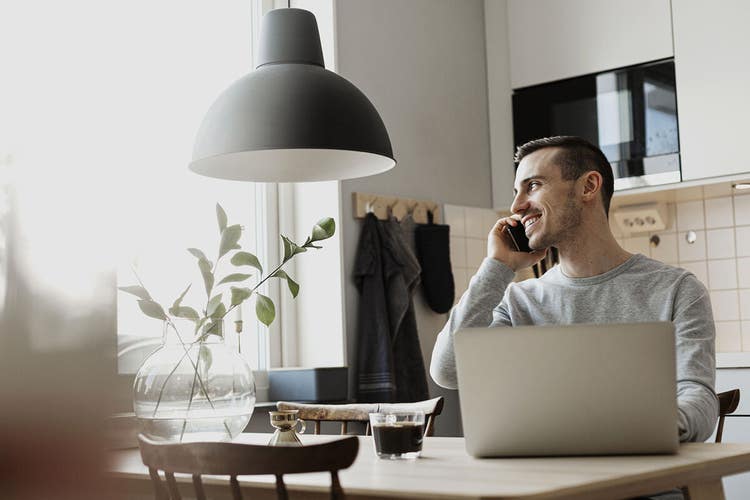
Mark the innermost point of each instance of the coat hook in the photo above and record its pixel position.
(370, 205)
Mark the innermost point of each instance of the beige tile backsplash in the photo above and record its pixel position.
(469, 228)
(719, 258)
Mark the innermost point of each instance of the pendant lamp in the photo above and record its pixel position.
(291, 120)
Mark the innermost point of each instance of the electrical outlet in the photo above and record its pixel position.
(644, 218)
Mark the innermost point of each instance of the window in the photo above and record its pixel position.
(176, 208)
(98, 120)
(179, 56)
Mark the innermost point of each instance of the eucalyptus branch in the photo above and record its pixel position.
(265, 310)
(269, 275)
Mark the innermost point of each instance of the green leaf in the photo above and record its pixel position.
(233, 278)
(323, 229)
(211, 329)
(239, 295)
(138, 291)
(199, 324)
(152, 309)
(220, 311)
(229, 238)
(291, 248)
(246, 259)
(182, 296)
(197, 253)
(208, 276)
(293, 286)
(213, 304)
(288, 251)
(264, 309)
(184, 312)
(221, 217)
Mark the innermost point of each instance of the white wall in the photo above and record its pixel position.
(422, 64)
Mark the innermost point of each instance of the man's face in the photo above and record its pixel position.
(547, 204)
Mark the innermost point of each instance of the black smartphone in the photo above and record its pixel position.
(518, 235)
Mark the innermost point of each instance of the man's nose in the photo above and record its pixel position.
(520, 204)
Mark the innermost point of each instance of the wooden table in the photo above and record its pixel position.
(445, 471)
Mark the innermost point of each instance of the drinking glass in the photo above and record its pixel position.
(398, 435)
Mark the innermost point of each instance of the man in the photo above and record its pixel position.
(562, 191)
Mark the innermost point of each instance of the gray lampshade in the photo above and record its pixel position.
(291, 120)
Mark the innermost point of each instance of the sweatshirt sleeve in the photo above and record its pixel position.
(475, 309)
(698, 406)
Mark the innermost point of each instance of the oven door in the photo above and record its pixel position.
(631, 114)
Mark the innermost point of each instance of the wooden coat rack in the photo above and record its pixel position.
(399, 207)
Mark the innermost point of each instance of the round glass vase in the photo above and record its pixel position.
(195, 387)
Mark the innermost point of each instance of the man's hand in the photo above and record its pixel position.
(500, 247)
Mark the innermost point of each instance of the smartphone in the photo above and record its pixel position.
(518, 235)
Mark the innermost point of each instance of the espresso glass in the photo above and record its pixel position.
(398, 435)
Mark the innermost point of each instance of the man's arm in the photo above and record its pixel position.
(485, 292)
(475, 308)
(698, 406)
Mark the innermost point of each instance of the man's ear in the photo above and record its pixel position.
(592, 185)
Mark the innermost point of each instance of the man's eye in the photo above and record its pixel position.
(532, 185)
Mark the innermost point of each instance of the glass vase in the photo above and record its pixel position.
(195, 387)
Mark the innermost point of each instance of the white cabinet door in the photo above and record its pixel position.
(712, 68)
(555, 39)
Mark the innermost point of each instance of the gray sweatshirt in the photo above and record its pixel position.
(640, 289)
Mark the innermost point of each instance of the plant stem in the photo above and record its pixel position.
(195, 369)
(190, 402)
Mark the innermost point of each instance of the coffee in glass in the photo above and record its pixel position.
(398, 435)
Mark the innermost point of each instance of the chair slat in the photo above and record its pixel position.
(159, 491)
(429, 428)
(174, 492)
(281, 492)
(236, 493)
(336, 492)
(198, 486)
(728, 403)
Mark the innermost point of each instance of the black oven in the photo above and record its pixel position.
(630, 113)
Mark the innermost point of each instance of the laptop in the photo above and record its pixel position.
(562, 390)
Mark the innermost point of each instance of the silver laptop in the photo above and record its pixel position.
(568, 390)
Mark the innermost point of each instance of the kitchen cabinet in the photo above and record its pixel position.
(712, 50)
(551, 39)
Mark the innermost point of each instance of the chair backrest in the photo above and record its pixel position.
(344, 414)
(728, 402)
(235, 459)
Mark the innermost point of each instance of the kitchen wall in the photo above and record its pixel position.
(422, 64)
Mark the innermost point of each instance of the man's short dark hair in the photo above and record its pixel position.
(575, 156)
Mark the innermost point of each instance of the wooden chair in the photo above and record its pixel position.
(728, 402)
(235, 459)
(361, 412)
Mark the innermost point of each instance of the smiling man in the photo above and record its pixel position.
(562, 190)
